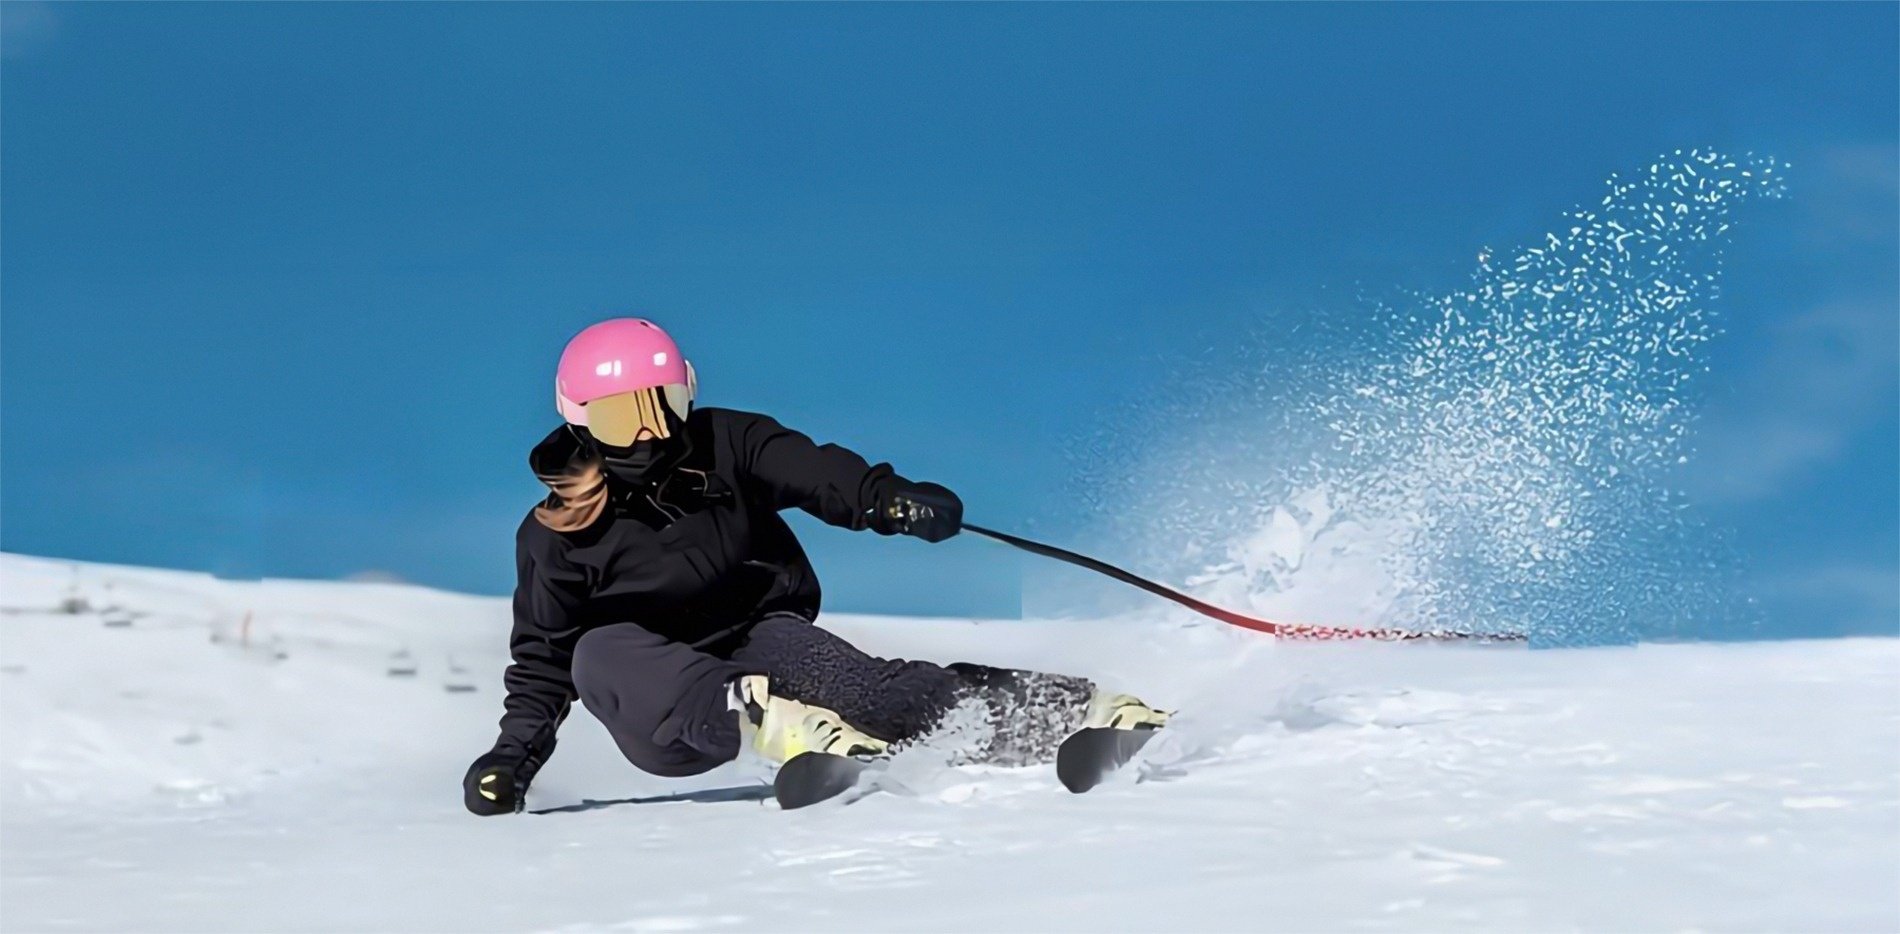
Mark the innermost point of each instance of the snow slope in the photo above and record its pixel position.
(172, 766)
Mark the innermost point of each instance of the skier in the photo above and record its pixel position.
(659, 587)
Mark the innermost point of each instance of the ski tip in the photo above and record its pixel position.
(813, 777)
(1090, 755)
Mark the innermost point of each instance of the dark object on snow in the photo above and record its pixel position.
(812, 777)
(1083, 761)
(737, 793)
(403, 665)
(1086, 758)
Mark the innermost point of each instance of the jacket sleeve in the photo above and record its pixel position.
(830, 482)
(548, 594)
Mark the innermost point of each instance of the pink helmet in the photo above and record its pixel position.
(622, 355)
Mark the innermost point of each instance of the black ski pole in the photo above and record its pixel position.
(1290, 630)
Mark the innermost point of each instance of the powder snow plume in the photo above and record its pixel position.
(1497, 457)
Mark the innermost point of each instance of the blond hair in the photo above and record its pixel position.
(580, 495)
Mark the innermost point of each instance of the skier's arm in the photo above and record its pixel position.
(539, 683)
(840, 487)
(830, 482)
(548, 595)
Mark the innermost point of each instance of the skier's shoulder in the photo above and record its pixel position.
(535, 540)
(729, 420)
(734, 431)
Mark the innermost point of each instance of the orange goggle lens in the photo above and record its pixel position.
(623, 418)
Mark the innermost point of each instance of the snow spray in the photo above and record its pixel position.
(1498, 456)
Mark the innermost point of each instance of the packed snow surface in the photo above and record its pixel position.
(189, 754)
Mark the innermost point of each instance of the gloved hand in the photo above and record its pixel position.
(497, 783)
(927, 510)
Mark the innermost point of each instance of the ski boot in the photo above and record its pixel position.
(1121, 712)
(780, 729)
(1115, 727)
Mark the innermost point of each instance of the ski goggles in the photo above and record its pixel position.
(623, 418)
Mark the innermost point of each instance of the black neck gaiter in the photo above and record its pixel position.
(643, 462)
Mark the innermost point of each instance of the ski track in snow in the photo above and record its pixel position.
(172, 767)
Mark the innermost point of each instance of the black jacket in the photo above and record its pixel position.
(693, 558)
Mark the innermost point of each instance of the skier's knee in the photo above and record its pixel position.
(675, 761)
(602, 657)
(591, 660)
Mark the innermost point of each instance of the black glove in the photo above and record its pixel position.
(927, 510)
(497, 783)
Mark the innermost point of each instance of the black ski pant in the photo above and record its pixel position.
(666, 703)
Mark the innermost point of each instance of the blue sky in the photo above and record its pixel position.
(283, 285)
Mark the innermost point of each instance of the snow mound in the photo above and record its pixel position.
(191, 754)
